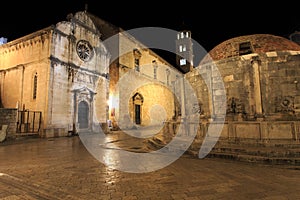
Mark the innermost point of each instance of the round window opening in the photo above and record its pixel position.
(84, 50)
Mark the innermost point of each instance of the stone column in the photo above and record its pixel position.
(91, 125)
(182, 95)
(183, 108)
(256, 86)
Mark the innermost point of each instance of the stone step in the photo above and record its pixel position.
(256, 158)
(284, 144)
(262, 151)
(271, 153)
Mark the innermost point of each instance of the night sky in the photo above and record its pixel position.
(210, 22)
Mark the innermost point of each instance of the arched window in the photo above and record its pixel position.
(154, 69)
(34, 91)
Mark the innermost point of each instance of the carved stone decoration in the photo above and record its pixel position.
(71, 73)
(235, 106)
(137, 54)
(84, 50)
(197, 108)
(285, 104)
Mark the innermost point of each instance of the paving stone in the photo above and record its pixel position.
(62, 168)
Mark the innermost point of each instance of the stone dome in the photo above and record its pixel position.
(256, 43)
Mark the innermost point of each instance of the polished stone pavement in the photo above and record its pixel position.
(62, 168)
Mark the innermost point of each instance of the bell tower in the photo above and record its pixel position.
(184, 51)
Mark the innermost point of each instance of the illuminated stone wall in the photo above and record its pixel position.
(20, 61)
(262, 95)
(156, 101)
(63, 79)
(9, 117)
(153, 80)
(270, 93)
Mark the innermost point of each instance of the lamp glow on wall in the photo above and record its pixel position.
(113, 103)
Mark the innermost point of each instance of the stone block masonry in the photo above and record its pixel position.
(8, 116)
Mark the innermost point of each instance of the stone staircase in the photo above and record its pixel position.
(274, 154)
(281, 153)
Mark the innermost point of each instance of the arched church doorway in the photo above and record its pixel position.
(137, 109)
(137, 106)
(83, 115)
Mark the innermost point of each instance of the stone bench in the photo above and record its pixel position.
(3, 132)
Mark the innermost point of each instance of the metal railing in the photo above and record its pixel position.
(29, 121)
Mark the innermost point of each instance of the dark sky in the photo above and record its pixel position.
(211, 22)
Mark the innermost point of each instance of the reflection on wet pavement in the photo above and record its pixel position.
(62, 168)
(121, 140)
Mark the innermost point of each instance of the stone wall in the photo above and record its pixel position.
(8, 116)
(154, 80)
(254, 131)
(156, 100)
(22, 61)
(148, 61)
(264, 86)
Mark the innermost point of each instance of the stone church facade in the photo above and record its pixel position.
(61, 72)
(64, 78)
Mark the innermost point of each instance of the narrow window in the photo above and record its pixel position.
(137, 64)
(154, 69)
(168, 76)
(180, 48)
(182, 61)
(137, 55)
(34, 86)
